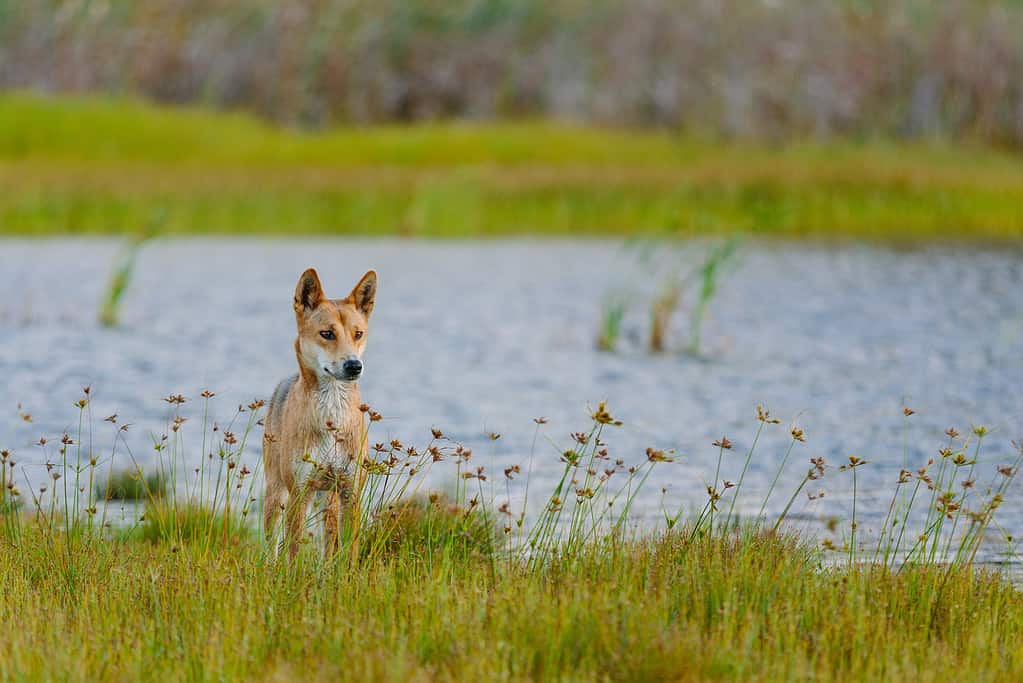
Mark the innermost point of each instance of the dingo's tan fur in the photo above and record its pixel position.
(314, 426)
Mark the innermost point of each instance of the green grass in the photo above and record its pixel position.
(463, 587)
(752, 607)
(132, 485)
(165, 522)
(91, 166)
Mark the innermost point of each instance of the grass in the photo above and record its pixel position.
(463, 587)
(728, 608)
(188, 524)
(133, 486)
(106, 166)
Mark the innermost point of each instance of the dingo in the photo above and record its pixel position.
(314, 426)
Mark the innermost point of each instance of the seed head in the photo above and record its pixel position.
(657, 455)
(764, 416)
(817, 471)
(602, 416)
(724, 443)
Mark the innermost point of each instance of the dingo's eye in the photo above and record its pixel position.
(358, 334)
(328, 335)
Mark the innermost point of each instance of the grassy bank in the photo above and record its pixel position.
(71, 166)
(730, 608)
(473, 584)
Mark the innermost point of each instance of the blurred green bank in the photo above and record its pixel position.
(109, 166)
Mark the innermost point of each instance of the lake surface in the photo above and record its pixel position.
(483, 337)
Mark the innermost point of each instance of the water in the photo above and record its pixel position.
(484, 336)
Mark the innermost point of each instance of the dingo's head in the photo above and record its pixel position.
(332, 332)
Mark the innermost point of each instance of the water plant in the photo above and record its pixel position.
(612, 316)
(120, 277)
(665, 302)
(678, 265)
(719, 258)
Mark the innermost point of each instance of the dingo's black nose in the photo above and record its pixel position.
(352, 368)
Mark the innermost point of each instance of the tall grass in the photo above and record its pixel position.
(474, 583)
(734, 68)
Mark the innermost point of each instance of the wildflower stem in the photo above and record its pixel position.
(777, 476)
(742, 476)
(788, 505)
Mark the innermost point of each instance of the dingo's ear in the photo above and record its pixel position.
(308, 292)
(365, 292)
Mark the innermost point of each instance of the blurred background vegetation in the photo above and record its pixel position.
(766, 69)
(880, 120)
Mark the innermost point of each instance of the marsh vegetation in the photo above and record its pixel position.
(767, 71)
(476, 582)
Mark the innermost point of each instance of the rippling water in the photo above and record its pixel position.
(478, 337)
